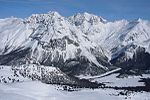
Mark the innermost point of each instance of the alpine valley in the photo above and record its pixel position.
(74, 53)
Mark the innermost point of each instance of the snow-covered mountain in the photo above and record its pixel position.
(80, 44)
(126, 43)
(49, 39)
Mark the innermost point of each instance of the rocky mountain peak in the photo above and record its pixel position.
(83, 18)
(83, 41)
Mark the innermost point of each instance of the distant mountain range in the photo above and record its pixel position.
(82, 44)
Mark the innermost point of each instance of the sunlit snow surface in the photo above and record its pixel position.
(26, 89)
(112, 80)
(34, 90)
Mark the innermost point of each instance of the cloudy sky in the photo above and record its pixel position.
(108, 9)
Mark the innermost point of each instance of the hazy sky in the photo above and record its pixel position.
(108, 9)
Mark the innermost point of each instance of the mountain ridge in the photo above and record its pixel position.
(79, 44)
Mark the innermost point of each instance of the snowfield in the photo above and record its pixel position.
(34, 90)
(112, 80)
(27, 89)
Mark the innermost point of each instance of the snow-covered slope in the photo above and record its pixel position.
(113, 35)
(134, 33)
(122, 40)
(45, 74)
(7, 75)
(13, 32)
(133, 50)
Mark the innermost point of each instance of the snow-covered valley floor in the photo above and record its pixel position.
(35, 90)
(17, 87)
(130, 81)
